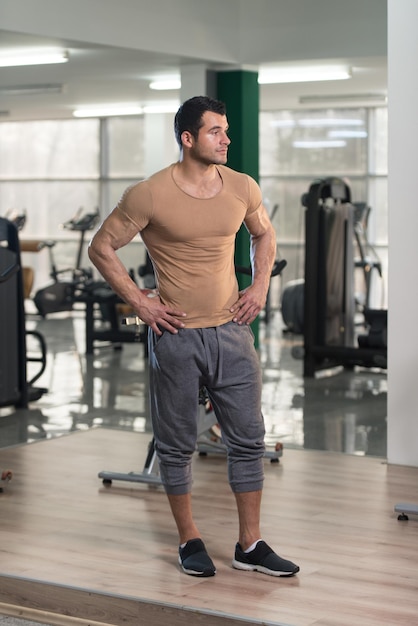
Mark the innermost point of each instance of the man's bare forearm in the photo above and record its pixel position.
(115, 274)
(263, 254)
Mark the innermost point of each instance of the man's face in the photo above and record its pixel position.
(211, 145)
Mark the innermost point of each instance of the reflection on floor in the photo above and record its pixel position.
(338, 411)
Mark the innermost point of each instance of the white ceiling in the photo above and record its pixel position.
(100, 74)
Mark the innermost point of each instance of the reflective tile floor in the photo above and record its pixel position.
(340, 410)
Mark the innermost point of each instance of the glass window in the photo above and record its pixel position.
(49, 149)
(50, 169)
(112, 191)
(297, 147)
(126, 148)
(285, 194)
(49, 204)
(317, 143)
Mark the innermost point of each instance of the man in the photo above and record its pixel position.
(199, 335)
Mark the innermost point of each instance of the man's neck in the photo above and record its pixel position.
(197, 180)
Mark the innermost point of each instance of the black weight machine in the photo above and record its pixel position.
(97, 296)
(16, 389)
(329, 301)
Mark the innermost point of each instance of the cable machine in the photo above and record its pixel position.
(329, 301)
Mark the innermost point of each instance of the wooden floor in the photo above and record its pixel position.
(75, 552)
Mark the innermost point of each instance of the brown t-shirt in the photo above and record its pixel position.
(191, 241)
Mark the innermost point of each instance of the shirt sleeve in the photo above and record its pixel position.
(136, 204)
(255, 197)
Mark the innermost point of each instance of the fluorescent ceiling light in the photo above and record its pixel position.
(112, 110)
(36, 56)
(374, 98)
(319, 144)
(307, 74)
(30, 90)
(318, 122)
(108, 110)
(347, 134)
(165, 84)
(321, 122)
(283, 123)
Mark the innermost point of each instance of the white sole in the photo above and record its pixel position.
(247, 567)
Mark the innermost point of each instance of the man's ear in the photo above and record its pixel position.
(187, 138)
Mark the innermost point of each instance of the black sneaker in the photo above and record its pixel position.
(263, 559)
(194, 559)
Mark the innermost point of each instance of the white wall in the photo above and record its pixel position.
(403, 233)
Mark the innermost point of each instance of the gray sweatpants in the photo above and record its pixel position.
(224, 360)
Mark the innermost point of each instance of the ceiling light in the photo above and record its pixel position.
(319, 144)
(373, 98)
(347, 134)
(32, 57)
(283, 123)
(308, 74)
(320, 122)
(166, 84)
(30, 90)
(108, 110)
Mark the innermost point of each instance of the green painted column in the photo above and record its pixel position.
(240, 92)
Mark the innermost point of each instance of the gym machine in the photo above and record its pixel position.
(59, 296)
(405, 509)
(15, 387)
(329, 301)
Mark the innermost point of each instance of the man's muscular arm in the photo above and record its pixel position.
(115, 232)
(262, 253)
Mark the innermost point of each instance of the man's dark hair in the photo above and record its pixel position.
(189, 115)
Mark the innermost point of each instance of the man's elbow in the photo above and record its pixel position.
(90, 250)
(93, 251)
